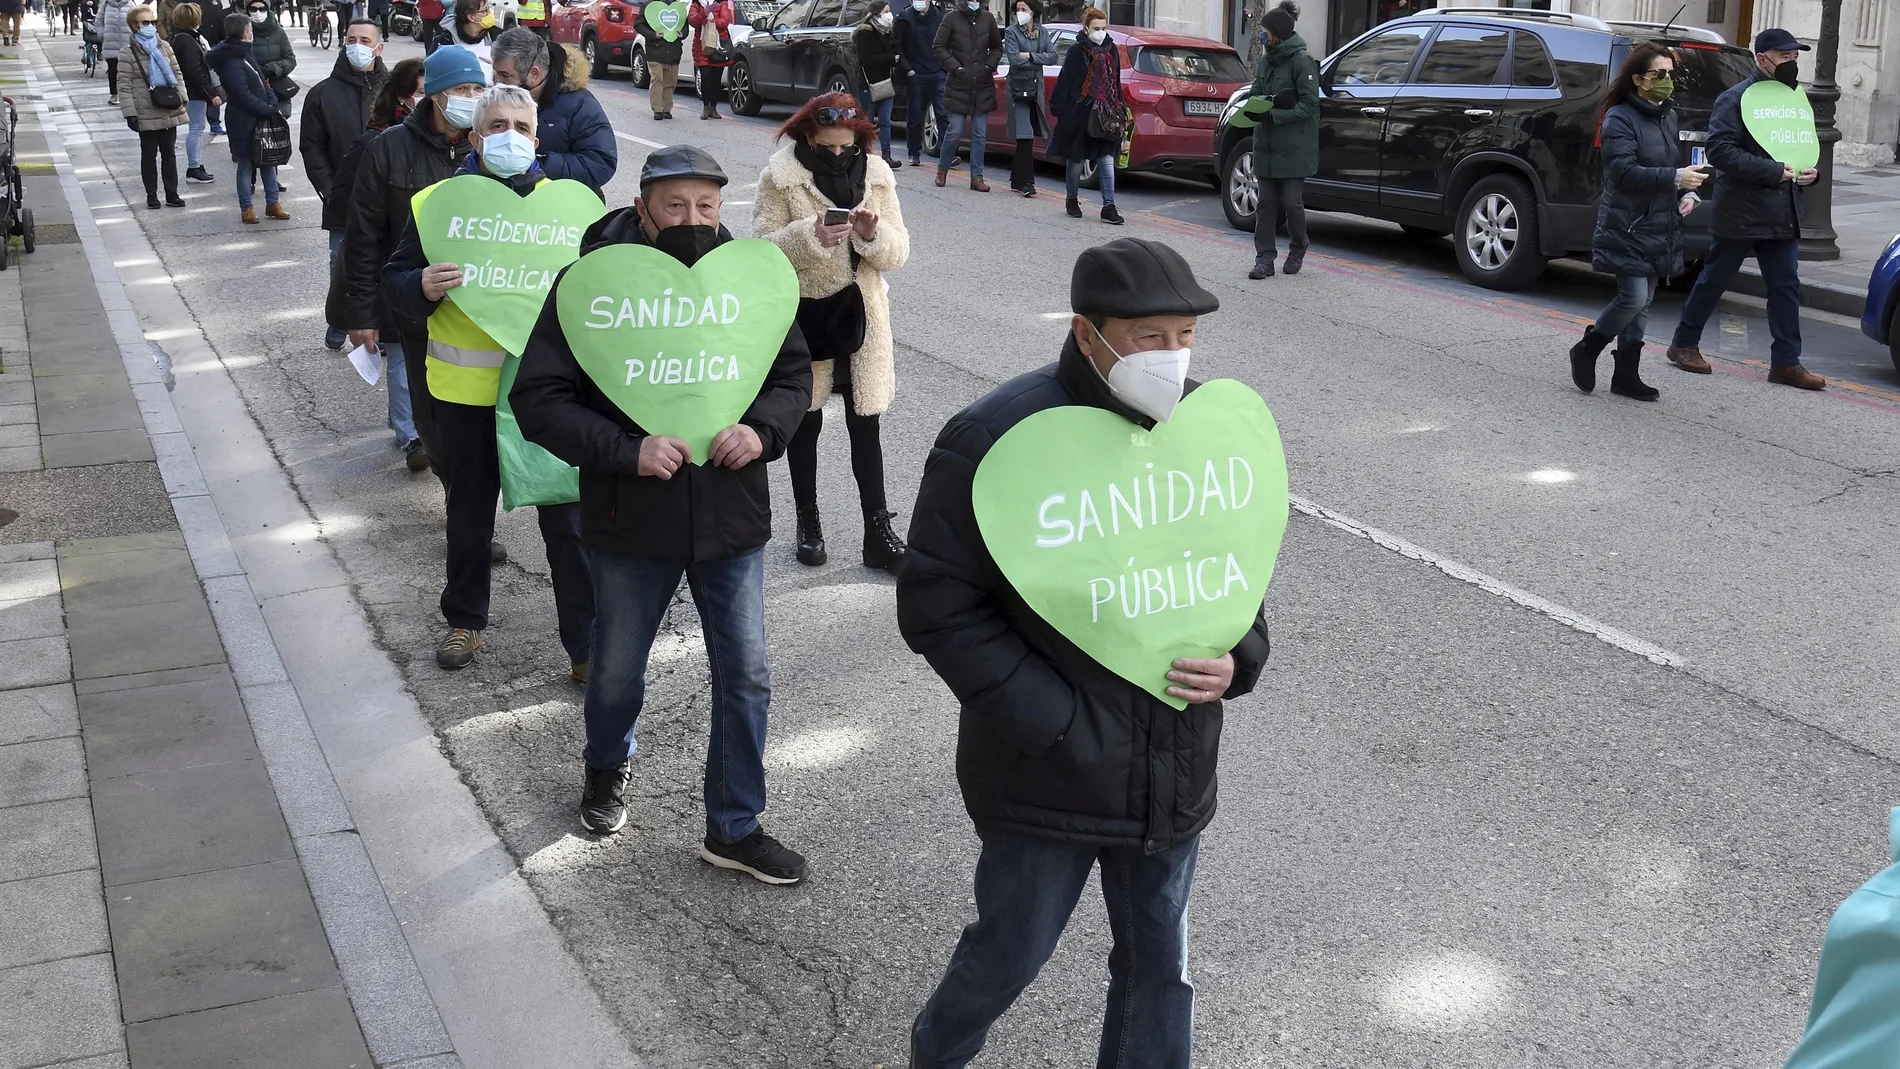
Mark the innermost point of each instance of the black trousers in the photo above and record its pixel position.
(1280, 198)
(112, 74)
(471, 473)
(415, 352)
(1022, 167)
(867, 458)
(154, 144)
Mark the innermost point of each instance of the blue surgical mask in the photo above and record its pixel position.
(147, 33)
(974, 6)
(460, 112)
(362, 56)
(507, 154)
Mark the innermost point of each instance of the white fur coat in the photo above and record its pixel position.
(787, 212)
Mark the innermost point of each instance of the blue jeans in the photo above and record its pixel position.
(926, 90)
(1780, 270)
(402, 418)
(1627, 317)
(1104, 167)
(195, 133)
(247, 177)
(1025, 890)
(879, 111)
(631, 595)
(333, 336)
(978, 127)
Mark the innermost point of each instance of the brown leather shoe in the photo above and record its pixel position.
(979, 185)
(1796, 375)
(249, 215)
(276, 211)
(1689, 358)
(942, 176)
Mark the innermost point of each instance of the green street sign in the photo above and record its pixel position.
(1140, 546)
(682, 351)
(510, 247)
(1782, 122)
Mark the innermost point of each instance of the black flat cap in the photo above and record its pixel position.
(1133, 277)
(680, 161)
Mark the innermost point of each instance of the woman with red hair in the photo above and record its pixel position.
(829, 171)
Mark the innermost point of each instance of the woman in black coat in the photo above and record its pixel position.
(201, 86)
(251, 99)
(875, 42)
(1090, 84)
(1639, 220)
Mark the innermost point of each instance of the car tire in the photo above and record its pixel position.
(1087, 175)
(739, 91)
(1893, 333)
(642, 74)
(1424, 233)
(596, 57)
(933, 134)
(1496, 236)
(1239, 189)
(836, 82)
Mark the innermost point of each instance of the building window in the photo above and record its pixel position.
(1718, 11)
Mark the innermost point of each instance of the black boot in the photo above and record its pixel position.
(882, 548)
(811, 538)
(1624, 381)
(1583, 358)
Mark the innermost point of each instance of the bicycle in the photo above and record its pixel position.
(89, 49)
(322, 35)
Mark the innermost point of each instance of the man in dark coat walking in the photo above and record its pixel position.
(1064, 764)
(334, 116)
(917, 26)
(1758, 201)
(576, 140)
(1286, 143)
(968, 46)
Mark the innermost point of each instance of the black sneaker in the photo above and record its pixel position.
(1262, 268)
(1073, 207)
(199, 174)
(1293, 261)
(757, 855)
(1110, 215)
(414, 456)
(604, 798)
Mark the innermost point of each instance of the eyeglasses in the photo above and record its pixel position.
(146, 22)
(834, 116)
(1658, 74)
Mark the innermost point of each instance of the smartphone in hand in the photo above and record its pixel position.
(837, 216)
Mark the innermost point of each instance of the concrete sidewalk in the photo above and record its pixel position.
(1866, 218)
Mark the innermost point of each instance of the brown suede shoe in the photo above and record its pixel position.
(979, 185)
(942, 176)
(1689, 358)
(276, 211)
(249, 215)
(1796, 375)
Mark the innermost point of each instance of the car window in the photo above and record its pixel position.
(1702, 74)
(1383, 60)
(854, 11)
(1193, 64)
(793, 15)
(1530, 62)
(1464, 55)
(1064, 41)
(826, 13)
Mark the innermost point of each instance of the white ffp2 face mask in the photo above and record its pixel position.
(1149, 382)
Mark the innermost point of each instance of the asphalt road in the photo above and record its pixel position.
(1573, 778)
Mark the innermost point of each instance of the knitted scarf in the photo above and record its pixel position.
(1101, 85)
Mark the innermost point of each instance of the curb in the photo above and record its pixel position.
(1819, 296)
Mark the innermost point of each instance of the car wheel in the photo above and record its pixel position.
(1240, 189)
(838, 83)
(933, 134)
(596, 59)
(1424, 233)
(642, 76)
(739, 89)
(1497, 234)
(1893, 333)
(1088, 176)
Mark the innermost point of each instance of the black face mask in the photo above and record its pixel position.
(824, 161)
(1788, 73)
(687, 243)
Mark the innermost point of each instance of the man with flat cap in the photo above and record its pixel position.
(651, 512)
(1064, 765)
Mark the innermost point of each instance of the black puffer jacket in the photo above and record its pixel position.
(703, 512)
(270, 45)
(1639, 225)
(401, 162)
(201, 82)
(334, 115)
(1752, 201)
(1051, 743)
(969, 47)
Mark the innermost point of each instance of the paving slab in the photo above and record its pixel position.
(31, 618)
(72, 403)
(28, 579)
(52, 917)
(217, 939)
(186, 820)
(43, 839)
(86, 449)
(19, 551)
(23, 434)
(41, 771)
(20, 458)
(59, 1011)
(138, 576)
(38, 713)
(300, 1031)
(186, 718)
(34, 662)
(142, 638)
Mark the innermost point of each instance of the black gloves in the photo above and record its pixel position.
(132, 123)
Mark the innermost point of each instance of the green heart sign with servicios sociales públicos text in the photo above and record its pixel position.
(1140, 546)
(668, 18)
(510, 247)
(682, 351)
(1782, 122)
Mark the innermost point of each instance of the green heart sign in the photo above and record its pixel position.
(669, 18)
(1251, 112)
(1140, 546)
(682, 351)
(510, 247)
(1782, 122)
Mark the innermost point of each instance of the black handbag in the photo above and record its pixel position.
(167, 98)
(833, 326)
(1105, 125)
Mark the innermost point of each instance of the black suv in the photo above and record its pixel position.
(800, 50)
(1482, 124)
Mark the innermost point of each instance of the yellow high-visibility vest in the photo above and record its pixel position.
(532, 9)
(463, 362)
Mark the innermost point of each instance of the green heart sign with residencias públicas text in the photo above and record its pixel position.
(682, 351)
(1782, 122)
(1140, 546)
(510, 247)
(668, 18)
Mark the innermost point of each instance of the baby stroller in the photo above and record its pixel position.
(15, 218)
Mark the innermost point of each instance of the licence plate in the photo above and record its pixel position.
(1201, 107)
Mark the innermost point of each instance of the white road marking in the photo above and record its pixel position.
(637, 140)
(1568, 617)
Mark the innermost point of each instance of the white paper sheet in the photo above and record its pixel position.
(368, 363)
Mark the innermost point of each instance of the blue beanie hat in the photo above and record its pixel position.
(450, 66)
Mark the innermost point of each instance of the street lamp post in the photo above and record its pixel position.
(1817, 231)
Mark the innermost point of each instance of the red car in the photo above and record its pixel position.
(1176, 84)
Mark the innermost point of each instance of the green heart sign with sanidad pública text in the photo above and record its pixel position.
(668, 18)
(1782, 122)
(682, 351)
(510, 247)
(1140, 546)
